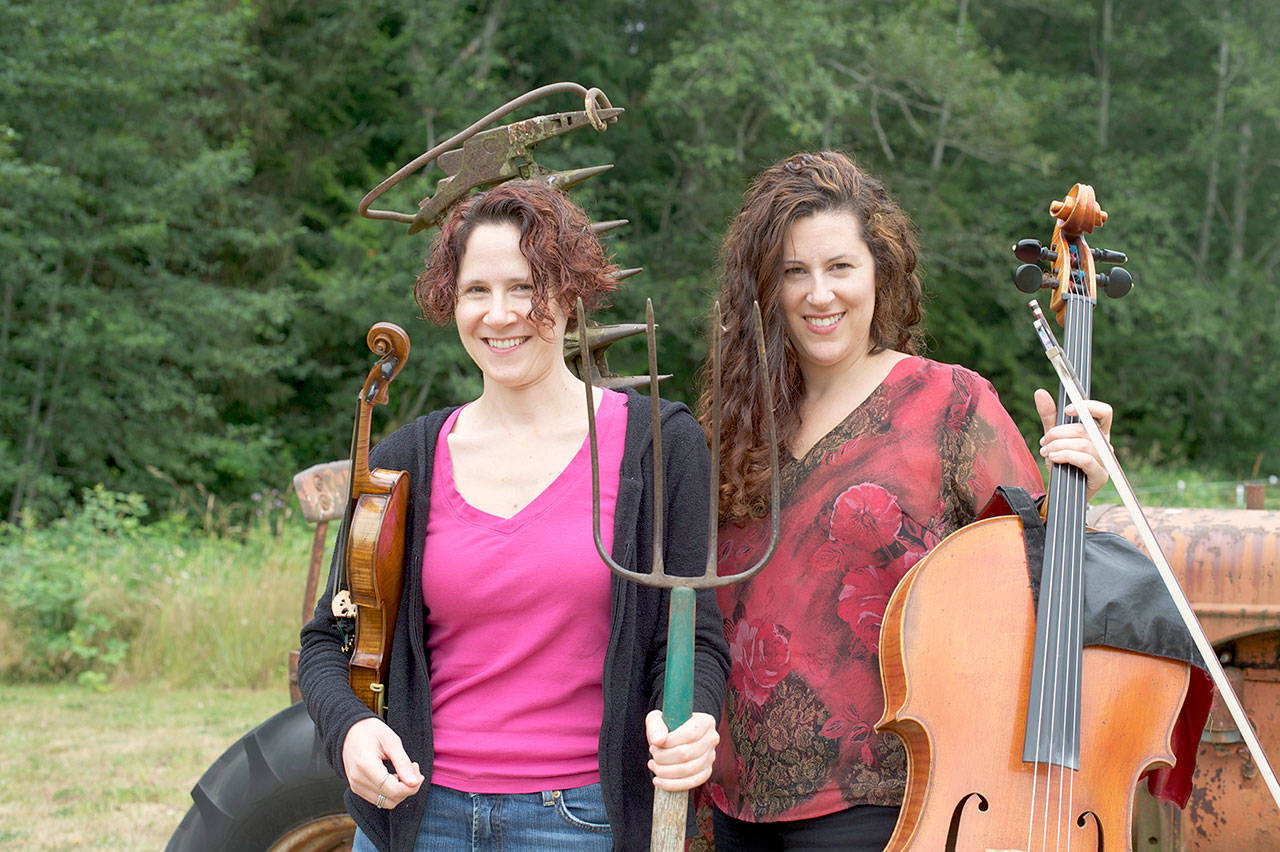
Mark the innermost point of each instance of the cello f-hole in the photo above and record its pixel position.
(1081, 821)
(954, 833)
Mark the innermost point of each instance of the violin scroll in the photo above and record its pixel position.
(389, 342)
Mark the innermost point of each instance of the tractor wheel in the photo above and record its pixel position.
(272, 790)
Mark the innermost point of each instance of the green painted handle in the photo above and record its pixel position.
(677, 700)
(670, 809)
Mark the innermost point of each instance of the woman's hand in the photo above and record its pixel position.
(1069, 444)
(368, 743)
(681, 759)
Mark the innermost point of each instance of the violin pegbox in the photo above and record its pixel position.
(1070, 258)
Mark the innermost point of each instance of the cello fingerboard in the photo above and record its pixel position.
(1053, 702)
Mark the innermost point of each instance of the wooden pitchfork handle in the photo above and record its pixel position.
(670, 809)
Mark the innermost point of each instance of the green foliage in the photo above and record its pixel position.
(69, 589)
(98, 596)
(186, 286)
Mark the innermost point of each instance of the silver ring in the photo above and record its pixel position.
(381, 799)
(384, 782)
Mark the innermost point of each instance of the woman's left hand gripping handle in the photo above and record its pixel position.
(369, 743)
(681, 759)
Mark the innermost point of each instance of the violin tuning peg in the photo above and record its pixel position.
(1029, 278)
(1117, 282)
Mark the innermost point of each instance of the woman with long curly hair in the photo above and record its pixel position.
(886, 453)
(521, 668)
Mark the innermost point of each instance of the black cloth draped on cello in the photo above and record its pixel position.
(1126, 606)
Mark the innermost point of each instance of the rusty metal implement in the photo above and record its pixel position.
(670, 808)
(496, 155)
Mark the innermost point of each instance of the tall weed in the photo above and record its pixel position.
(99, 596)
(228, 614)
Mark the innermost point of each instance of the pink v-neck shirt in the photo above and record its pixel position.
(518, 624)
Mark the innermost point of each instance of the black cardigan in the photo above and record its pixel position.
(636, 655)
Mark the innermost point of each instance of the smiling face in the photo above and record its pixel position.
(828, 291)
(495, 296)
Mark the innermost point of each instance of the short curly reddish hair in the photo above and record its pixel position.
(565, 257)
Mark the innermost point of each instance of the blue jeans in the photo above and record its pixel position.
(510, 822)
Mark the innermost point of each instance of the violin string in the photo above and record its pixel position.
(338, 576)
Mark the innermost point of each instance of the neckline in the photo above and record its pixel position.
(828, 437)
(545, 499)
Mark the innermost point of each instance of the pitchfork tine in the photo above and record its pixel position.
(658, 502)
(657, 575)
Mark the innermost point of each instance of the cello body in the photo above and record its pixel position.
(955, 661)
(1018, 737)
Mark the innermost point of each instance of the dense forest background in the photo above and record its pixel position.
(185, 286)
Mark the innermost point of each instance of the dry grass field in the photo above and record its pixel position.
(112, 769)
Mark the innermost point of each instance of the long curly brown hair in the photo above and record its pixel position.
(751, 270)
(565, 257)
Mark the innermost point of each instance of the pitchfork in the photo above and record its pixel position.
(670, 809)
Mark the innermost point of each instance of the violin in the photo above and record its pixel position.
(1017, 736)
(370, 556)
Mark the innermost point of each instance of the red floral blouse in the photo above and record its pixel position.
(913, 463)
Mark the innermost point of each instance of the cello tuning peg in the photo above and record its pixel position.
(1029, 278)
(1108, 256)
(1117, 282)
(1030, 251)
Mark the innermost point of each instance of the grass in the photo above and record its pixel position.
(112, 769)
(106, 758)
(228, 615)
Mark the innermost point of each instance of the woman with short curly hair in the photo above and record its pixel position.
(521, 669)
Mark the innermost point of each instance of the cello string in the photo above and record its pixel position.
(1080, 507)
(1081, 336)
(1080, 346)
(1070, 488)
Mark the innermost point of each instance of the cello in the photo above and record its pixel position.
(371, 552)
(1017, 737)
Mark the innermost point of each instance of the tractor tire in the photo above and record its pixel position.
(272, 790)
